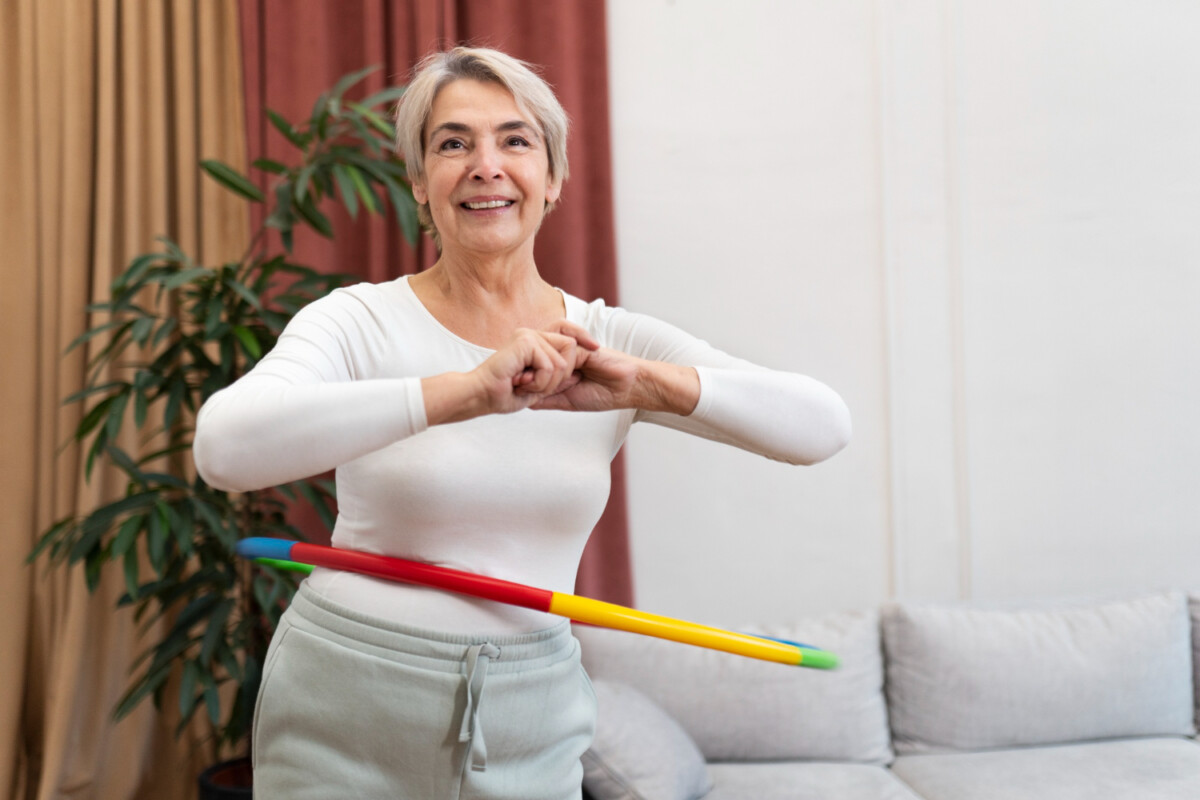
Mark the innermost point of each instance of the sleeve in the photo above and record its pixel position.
(302, 411)
(781, 415)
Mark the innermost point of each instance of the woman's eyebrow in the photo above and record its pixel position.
(504, 127)
(518, 125)
(453, 127)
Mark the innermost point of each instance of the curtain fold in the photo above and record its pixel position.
(291, 56)
(116, 102)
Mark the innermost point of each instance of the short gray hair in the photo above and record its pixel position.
(531, 93)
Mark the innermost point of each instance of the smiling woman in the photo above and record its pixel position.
(439, 398)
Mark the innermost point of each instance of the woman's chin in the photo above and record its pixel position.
(493, 242)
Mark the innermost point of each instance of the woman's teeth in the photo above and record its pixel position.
(488, 204)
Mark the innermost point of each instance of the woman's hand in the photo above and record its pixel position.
(531, 366)
(610, 379)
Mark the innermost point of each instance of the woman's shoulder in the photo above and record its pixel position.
(617, 327)
(594, 315)
(358, 301)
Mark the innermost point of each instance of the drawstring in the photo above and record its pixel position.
(476, 675)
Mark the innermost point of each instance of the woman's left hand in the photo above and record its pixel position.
(610, 379)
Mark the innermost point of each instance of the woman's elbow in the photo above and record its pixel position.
(219, 460)
(831, 430)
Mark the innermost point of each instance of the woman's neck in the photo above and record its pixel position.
(485, 300)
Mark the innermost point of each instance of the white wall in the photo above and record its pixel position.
(980, 223)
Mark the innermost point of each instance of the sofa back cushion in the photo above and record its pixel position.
(742, 709)
(965, 679)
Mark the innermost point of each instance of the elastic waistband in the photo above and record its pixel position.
(316, 613)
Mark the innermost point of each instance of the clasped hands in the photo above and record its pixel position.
(562, 368)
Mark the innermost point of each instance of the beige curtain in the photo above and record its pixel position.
(108, 105)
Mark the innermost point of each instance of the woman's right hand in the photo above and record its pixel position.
(533, 365)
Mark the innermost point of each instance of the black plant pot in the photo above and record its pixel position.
(229, 780)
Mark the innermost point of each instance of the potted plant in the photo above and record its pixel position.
(172, 333)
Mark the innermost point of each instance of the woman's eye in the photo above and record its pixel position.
(517, 141)
(450, 144)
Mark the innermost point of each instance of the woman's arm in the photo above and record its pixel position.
(303, 409)
(679, 381)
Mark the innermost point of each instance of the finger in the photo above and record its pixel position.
(548, 366)
(576, 332)
(571, 349)
(573, 356)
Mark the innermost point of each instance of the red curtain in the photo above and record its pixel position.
(293, 51)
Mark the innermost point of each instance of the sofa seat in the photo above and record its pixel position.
(1146, 769)
(797, 780)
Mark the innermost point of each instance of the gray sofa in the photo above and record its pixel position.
(935, 702)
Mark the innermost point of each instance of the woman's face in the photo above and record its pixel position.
(487, 172)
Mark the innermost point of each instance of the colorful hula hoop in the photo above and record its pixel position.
(287, 554)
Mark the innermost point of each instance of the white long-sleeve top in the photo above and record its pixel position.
(512, 496)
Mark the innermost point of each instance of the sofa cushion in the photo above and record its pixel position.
(739, 709)
(798, 780)
(1146, 769)
(639, 752)
(961, 678)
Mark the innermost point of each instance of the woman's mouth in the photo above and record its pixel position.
(485, 204)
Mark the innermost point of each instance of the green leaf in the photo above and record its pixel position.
(134, 271)
(346, 81)
(63, 529)
(249, 343)
(91, 573)
(302, 182)
(287, 129)
(126, 537)
(364, 134)
(231, 179)
(267, 165)
(116, 415)
(156, 542)
(212, 317)
(174, 401)
(364, 191)
(91, 390)
(315, 218)
(212, 700)
(164, 330)
(151, 682)
(389, 95)
(341, 174)
(92, 418)
(216, 630)
(122, 460)
(131, 572)
(91, 333)
(187, 690)
(406, 211)
(141, 330)
(377, 122)
(320, 112)
(186, 276)
(244, 292)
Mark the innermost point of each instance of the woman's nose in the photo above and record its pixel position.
(485, 165)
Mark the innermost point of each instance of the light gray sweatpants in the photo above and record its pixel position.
(355, 707)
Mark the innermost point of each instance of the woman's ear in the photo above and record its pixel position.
(419, 194)
(553, 190)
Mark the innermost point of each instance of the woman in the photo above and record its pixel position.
(440, 398)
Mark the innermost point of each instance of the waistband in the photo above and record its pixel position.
(432, 649)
